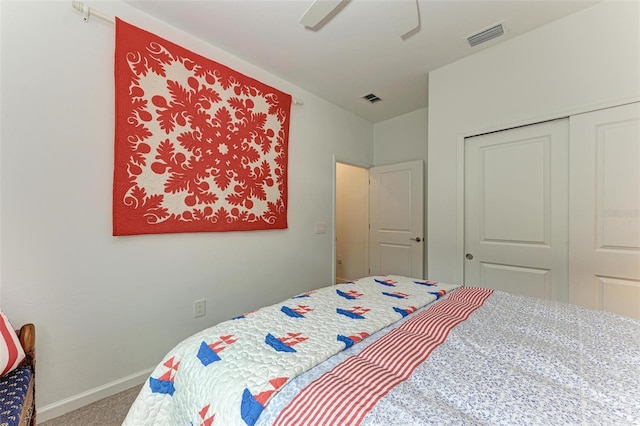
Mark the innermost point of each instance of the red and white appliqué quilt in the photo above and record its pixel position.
(199, 147)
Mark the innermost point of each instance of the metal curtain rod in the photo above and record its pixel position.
(87, 11)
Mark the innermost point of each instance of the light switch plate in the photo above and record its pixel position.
(321, 227)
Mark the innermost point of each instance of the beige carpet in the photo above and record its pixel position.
(109, 411)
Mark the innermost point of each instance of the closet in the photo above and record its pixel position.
(552, 210)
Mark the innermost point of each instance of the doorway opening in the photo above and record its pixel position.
(378, 220)
(351, 238)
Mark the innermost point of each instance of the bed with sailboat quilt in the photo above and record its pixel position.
(393, 350)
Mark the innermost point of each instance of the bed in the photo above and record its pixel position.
(395, 350)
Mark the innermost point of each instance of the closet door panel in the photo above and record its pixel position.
(604, 208)
(516, 191)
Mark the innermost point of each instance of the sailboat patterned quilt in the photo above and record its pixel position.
(226, 374)
(384, 351)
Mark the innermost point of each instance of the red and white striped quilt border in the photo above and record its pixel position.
(344, 395)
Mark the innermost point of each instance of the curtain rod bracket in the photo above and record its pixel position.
(86, 11)
(79, 6)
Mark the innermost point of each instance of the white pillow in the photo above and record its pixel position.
(11, 352)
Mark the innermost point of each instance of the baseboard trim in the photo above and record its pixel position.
(67, 405)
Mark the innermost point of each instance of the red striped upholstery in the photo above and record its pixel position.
(11, 352)
(344, 395)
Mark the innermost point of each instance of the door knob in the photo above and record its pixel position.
(469, 256)
(417, 239)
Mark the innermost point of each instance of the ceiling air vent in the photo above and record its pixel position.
(485, 35)
(371, 98)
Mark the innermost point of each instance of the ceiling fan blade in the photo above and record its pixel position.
(404, 15)
(318, 10)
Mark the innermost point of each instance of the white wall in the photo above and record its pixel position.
(585, 61)
(352, 222)
(107, 309)
(401, 139)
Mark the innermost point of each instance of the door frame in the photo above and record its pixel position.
(343, 160)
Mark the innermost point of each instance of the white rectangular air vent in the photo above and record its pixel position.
(485, 35)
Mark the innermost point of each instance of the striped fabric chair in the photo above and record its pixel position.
(17, 388)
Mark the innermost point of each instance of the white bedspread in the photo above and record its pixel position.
(515, 361)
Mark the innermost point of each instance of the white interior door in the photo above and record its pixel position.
(397, 219)
(516, 191)
(605, 210)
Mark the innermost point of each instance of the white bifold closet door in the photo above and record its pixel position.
(516, 190)
(605, 210)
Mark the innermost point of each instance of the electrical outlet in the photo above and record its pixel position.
(199, 308)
